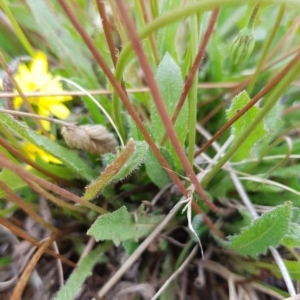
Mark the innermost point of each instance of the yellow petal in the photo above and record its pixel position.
(39, 64)
(17, 102)
(60, 111)
(23, 73)
(43, 111)
(46, 125)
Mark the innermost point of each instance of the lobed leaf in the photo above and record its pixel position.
(120, 225)
(266, 231)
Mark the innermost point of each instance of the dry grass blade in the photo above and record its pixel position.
(22, 234)
(18, 290)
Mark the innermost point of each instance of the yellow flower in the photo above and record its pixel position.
(36, 78)
(32, 150)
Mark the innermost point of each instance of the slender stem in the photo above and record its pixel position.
(31, 163)
(253, 15)
(270, 102)
(161, 108)
(17, 28)
(194, 69)
(21, 94)
(23, 279)
(34, 116)
(11, 138)
(107, 31)
(11, 196)
(255, 99)
(284, 271)
(99, 59)
(24, 235)
(116, 104)
(152, 40)
(4, 162)
(164, 20)
(203, 85)
(154, 8)
(266, 48)
(193, 90)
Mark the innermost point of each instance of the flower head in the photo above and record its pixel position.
(37, 78)
(242, 46)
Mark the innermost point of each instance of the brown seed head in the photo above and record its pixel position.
(92, 138)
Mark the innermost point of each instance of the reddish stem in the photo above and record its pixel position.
(4, 162)
(159, 102)
(151, 37)
(13, 197)
(107, 31)
(25, 159)
(255, 99)
(22, 234)
(193, 71)
(99, 59)
(101, 62)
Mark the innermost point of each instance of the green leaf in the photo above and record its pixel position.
(167, 35)
(170, 83)
(134, 131)
(59, 170)
(293, 269)
(130, 246)
(12, 180)
(82, 271)
(239, 127)
(268, 230)
(216, 57)
(119, 166)
(68, 157)
(154, 169)
(120, 225)
(295, 215)
(133, 163)
(287, 172)
(292, 266)
(292, 238)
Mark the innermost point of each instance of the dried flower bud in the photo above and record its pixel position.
(92, 138)
(242, 46)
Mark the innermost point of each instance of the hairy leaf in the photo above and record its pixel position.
(268, 230)
(170, 83)
(154, 169)
(82, 271)
(239, 127)
(120, 225)
(68, 157)
(292, 238)
(133, 163)
(120, 166)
